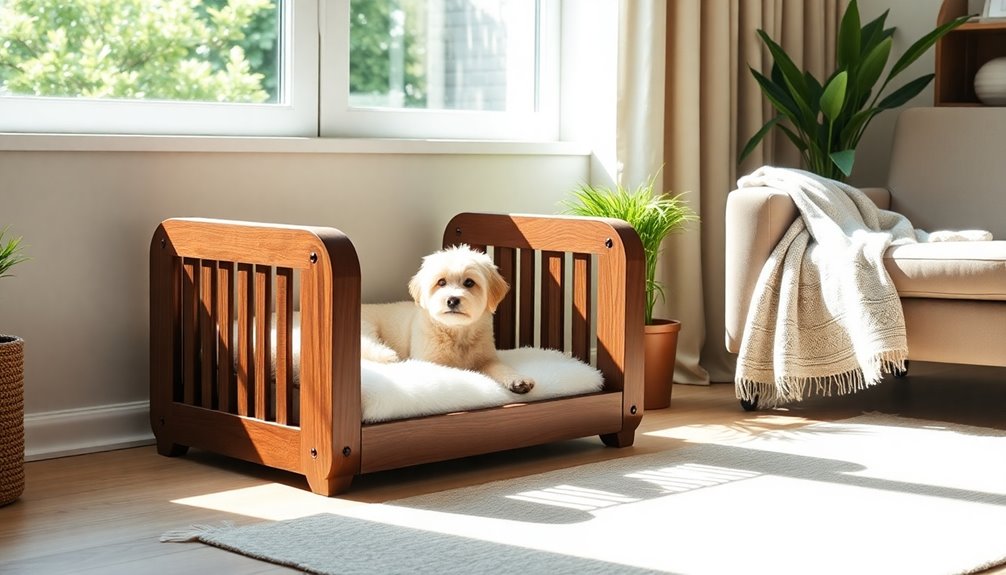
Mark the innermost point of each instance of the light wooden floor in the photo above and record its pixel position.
(103, 513)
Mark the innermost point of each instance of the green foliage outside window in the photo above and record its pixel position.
(218, 50)
(209, 50)
(379, 29)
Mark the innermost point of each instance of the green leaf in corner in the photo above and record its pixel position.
(844, 160)
(849, 37)
(923, 44)
(873, 65)
(833, 97)
(873, 32)
(905, 93)
(758, 137)
(791, 74)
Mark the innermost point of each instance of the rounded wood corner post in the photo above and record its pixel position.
(163, 329)
(331, 413)
(620, 336)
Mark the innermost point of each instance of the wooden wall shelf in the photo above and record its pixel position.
(962, 52)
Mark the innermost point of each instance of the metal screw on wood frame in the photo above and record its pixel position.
(632, 410)
(314, 453)
(164, 243)
(457, 231)
(346, 451)
(314, 257)
(609, 243)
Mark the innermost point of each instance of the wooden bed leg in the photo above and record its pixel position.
(169, 449)
(331, 486)
(620, 439)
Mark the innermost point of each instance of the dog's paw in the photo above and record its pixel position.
(385, 355)
(520, 384)
(378, 353)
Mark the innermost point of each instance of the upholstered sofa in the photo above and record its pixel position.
(947, 172)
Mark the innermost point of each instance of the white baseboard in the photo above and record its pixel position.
(87, 430)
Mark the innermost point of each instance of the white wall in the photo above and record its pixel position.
(87, 218)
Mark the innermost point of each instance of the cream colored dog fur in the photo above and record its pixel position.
(455, 293)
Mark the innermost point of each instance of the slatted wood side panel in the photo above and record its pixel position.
(582, 304)
(229, 361)
(550, 303)
(245, 365)
(553, 272)
(225, 337)
(284, 347)
(505, 320)
(525, 314)
(190, 319)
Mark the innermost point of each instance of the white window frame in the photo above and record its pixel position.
(339, 119)
(295, 115)
(314, 99)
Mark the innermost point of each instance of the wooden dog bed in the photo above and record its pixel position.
(577, 286)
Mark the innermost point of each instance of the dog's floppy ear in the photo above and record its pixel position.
(497, 288)
(416, 287)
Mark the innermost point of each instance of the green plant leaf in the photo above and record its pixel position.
(873, 66)
(814, 88)
(777, 96)
(873, 33)
(853, 130)
(758, 137)
(833, 97)
(905, 93)
(799, 142)
(11, 252)
(923, 44)
(844, 159)
(849, 38)
(791, 74)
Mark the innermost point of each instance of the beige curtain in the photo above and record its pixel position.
(712, 106)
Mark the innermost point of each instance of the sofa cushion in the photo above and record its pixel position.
(949, 270)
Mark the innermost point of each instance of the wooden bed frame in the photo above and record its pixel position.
(588, 295)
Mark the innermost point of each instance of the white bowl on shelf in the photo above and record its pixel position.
(990, 82)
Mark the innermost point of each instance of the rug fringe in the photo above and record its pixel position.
(194, 532)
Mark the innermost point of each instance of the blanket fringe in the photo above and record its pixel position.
(194, 532)
(789, 389)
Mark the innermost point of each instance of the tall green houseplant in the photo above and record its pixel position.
(653, 216)
(825, 120)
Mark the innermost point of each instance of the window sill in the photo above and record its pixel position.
(17, 142)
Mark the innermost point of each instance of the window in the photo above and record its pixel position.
(386, 68)
(160, 67)
(455, 68)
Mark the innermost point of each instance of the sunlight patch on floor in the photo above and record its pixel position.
(729, 433)
(572, 497)
(270, 501)
(689, 476)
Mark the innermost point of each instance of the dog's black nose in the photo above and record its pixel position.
(453, 302)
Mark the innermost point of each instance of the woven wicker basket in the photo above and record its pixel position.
(11, 418)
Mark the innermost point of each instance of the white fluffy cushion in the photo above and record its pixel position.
(415, 388)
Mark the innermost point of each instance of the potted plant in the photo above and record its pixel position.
(825, 120)
(11, 390)
(653, 216)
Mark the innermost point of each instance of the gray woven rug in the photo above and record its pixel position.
(872, 494)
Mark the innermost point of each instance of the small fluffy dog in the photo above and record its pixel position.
(456, 291)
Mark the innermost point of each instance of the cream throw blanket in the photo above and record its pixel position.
(824, 317)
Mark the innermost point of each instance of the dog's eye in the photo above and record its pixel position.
(469, 283)
(441, 282)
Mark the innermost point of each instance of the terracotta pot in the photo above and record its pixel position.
(11, 418)
(661, 346)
